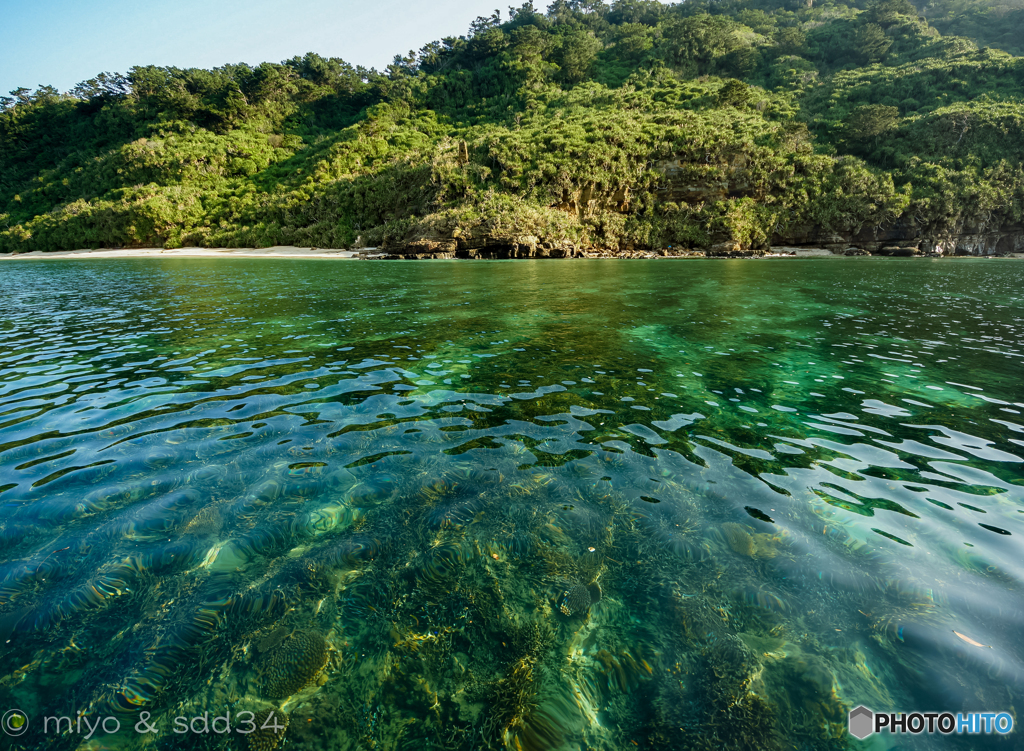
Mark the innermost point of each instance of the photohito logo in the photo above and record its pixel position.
(14, 722)
(863, 722)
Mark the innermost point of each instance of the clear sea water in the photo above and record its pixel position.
(527, 505)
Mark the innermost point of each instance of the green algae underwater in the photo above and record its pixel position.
(526, 505)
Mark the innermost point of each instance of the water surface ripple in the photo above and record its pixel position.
(541, 505)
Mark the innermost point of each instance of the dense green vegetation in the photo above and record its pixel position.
(993, 23)
(631, 125)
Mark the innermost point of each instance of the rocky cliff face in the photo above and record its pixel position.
(907, 238)
(901, 239)
(510, 246)
(684, 182)
(976, 241)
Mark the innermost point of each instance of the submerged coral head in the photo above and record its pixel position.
(578, 598)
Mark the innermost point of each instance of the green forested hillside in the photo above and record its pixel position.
(989, 23)
(631, 125)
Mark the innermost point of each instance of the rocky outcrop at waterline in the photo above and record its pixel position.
(487, 246)
(902, 239)
(907, 238)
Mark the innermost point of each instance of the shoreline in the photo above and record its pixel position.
(289, 251)
(279, 251)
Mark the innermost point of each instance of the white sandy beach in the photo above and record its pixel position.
(280, 251)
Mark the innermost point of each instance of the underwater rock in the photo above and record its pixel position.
(738, 538)
(758, 545)
(292, 665)
(268, 738)
(206, 523)
(268, 491)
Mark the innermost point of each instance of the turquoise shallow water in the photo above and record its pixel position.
(536, 505)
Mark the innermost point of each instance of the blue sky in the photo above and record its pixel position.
(62, 42)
